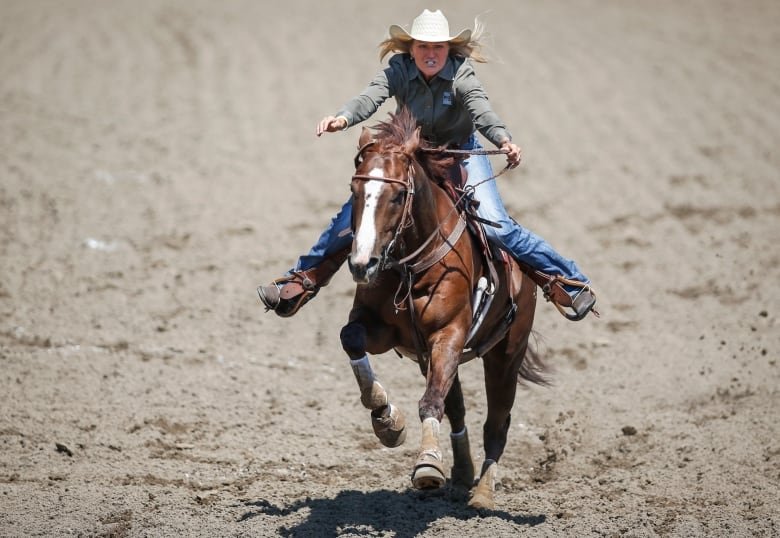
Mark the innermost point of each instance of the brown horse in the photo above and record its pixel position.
(416, 274)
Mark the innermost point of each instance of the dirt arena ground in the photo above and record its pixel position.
(158, 162)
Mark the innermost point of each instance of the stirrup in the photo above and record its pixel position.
(295, 290)
(299, 287)
(581, 303)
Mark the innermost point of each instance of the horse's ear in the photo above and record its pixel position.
(365, 137)
(413, 143)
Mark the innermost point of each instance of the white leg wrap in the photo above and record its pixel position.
(432, 426)
(489, 475)
(372, 394)
(430, 437)
(363, 373)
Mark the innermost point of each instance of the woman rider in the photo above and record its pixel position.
(432, 76)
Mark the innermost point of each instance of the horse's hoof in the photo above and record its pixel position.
(482, 495)
(389, 426)
(428, 471)
(482, 500)
(427, 477)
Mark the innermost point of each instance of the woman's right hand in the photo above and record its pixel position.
(330, 124)
(513, 153)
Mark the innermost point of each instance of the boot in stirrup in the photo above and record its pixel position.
(577, 296)
(564, 293)
(583, 302)
(286, 295)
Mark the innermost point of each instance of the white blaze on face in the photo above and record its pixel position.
(366, 235)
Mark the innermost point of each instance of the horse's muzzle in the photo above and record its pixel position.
(363, 273)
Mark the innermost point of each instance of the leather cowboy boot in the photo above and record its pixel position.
(286, 295)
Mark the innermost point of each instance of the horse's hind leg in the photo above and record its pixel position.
(462, 472)
(501, 388)
(387, 420)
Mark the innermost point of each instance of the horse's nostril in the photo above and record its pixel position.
(361, 271)
(358, 270)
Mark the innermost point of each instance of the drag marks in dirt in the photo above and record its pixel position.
(116, 524)
(631, 229)
(549, 456)
(697, 219)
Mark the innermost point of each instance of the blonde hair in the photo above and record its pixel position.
(467, 48)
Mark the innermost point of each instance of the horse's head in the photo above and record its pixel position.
(382, 193)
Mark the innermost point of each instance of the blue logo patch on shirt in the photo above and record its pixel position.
(446, 99)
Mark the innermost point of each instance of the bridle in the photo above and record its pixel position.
(406, 216)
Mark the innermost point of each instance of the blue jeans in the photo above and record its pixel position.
(336, 237)
(523, 244)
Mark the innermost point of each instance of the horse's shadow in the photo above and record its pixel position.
(405, 514)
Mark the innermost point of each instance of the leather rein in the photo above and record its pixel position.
(406, 217)
(406, 221)
(404, 266)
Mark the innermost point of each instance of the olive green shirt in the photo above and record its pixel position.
(448, 108)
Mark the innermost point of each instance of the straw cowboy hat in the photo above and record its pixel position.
(430, 26)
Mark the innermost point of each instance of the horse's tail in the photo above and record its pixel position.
(533, 368)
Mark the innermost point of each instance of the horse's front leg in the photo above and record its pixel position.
(387, 420)
(442, 370)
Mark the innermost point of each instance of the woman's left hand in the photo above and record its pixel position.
(513, 153)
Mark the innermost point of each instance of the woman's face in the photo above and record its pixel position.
(430, 57)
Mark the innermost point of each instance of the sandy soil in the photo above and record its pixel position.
(158, 161)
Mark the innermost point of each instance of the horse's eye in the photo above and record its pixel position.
(399, 197)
